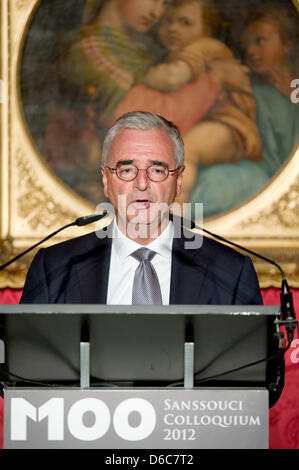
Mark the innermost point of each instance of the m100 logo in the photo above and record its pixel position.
(54, 411)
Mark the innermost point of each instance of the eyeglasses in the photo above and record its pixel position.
(156, 173)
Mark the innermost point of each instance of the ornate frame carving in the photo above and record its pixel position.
(34, 202)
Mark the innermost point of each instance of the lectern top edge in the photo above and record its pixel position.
(142, 309)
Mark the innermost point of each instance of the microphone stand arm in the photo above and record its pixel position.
(85, 220)
(288, 318)
(3, 266)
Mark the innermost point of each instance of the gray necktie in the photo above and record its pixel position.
(146, 287)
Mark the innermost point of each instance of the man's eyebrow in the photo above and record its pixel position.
(158, 162)
(124, 162)
(151, 162)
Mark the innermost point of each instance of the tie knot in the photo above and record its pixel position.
(143, 254)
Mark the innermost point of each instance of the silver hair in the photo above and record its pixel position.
(144, 121)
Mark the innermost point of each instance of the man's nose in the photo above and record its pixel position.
(142, 181)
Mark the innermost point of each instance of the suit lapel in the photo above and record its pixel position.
(93, 272)
(188, 272)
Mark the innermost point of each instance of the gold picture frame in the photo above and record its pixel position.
(34, 202)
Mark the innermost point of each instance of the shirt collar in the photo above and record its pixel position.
(124, 246)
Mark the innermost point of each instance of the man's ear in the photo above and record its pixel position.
(179, 181)
(104, 180)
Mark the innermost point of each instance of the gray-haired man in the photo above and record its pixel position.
(142, 166)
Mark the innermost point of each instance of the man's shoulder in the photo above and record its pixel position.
(207, 247)
(229, 276)
(216, 256)
(76, 246)
(213, 247)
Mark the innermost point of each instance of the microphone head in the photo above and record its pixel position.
(89, 219)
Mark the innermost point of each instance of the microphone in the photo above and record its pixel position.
(85, 220)
(286, 296)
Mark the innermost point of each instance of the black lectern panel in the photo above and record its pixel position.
(140, 344)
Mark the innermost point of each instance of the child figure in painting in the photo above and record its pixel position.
(228, 133)
(270, 41)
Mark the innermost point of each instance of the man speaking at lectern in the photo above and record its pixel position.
(144, 263)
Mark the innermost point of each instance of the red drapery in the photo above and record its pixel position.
(284, 416)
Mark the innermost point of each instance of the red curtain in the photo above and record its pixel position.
(284, 416)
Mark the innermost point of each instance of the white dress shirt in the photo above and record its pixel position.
(123, 266)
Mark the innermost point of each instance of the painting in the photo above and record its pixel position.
(223, 78)
(225, 73)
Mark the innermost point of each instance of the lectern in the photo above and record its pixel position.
(136, 377)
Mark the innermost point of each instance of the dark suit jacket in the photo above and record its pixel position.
(76, 271)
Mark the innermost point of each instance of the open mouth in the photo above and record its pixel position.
(141, 203)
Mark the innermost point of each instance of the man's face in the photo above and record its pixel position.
(142, 149)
